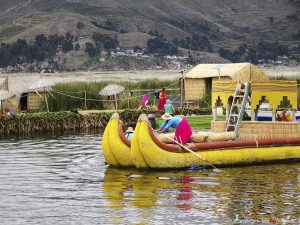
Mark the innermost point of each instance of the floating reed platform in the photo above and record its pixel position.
(33, 123)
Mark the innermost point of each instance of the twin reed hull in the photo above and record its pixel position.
(115, 146)
(148, 152)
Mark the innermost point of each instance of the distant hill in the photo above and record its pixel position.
(226, 24)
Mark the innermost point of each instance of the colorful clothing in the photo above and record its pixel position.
(162, 100)
(144, 100)
(174, 123)
(183, 132)
(129, 135)
(169, 108)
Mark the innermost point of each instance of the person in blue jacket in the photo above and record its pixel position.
(183, 130)
(129, 133)
(170, 122)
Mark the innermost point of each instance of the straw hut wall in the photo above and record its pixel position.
(200, 78)
(23, 97)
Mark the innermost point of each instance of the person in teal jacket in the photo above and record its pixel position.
(169, 108)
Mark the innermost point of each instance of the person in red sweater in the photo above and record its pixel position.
(162, 99)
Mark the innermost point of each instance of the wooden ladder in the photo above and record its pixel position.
(238, 106)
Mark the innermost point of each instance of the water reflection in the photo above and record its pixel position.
(185, 193)
(249, 194)
(64, 180)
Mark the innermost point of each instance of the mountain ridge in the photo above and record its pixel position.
(227, 24)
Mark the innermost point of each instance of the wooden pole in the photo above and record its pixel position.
(46, 100)
(294, 115)
(181, 89)
(127, 99)
(227, 112)
(116, 102)
(85, 100)
(191, 151)
(1, 106)
(47, 103)
(214, 112)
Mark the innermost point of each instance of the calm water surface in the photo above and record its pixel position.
(64, 180)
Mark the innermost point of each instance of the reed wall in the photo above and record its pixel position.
(194, 88)
(33, 102)
(260, 129)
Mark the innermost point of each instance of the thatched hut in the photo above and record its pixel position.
(200, 78)
(112, 91)
(23, 97)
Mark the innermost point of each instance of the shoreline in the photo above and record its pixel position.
(64, 121)
(134, 76)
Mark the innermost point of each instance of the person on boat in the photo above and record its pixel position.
(183, 130)
(162, 99)
(129, 133)
(169, 108)
(283, 116)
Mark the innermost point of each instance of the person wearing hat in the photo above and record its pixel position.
(129, 133)
(183, 130)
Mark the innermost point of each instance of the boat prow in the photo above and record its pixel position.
(136, 155)
(115, 146)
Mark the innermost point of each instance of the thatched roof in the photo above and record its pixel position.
(41, 85)
(112, 89)
(4, 94)
(25, 84)
(236, 71)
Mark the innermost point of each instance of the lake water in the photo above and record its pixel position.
(64, 180)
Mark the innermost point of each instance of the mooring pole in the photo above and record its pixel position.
(85, 100)
(181, 89)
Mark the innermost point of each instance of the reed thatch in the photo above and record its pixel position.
(244, 72)
(41, 85)
(112, 89)
(4, 94)
(199, 79)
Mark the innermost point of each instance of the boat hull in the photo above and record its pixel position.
(156, 155)
(115, 146)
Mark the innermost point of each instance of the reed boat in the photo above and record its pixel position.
(115, 146)
(148, 151)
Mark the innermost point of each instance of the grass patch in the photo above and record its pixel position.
(203, 122)
(10, 31)
(82, 8)
(70, 96)
(85, 9)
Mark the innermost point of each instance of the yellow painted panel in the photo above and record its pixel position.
(223, 89)
(224, 96)
(274, 98)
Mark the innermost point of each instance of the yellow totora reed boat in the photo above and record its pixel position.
(115, 146)
(148, 152)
